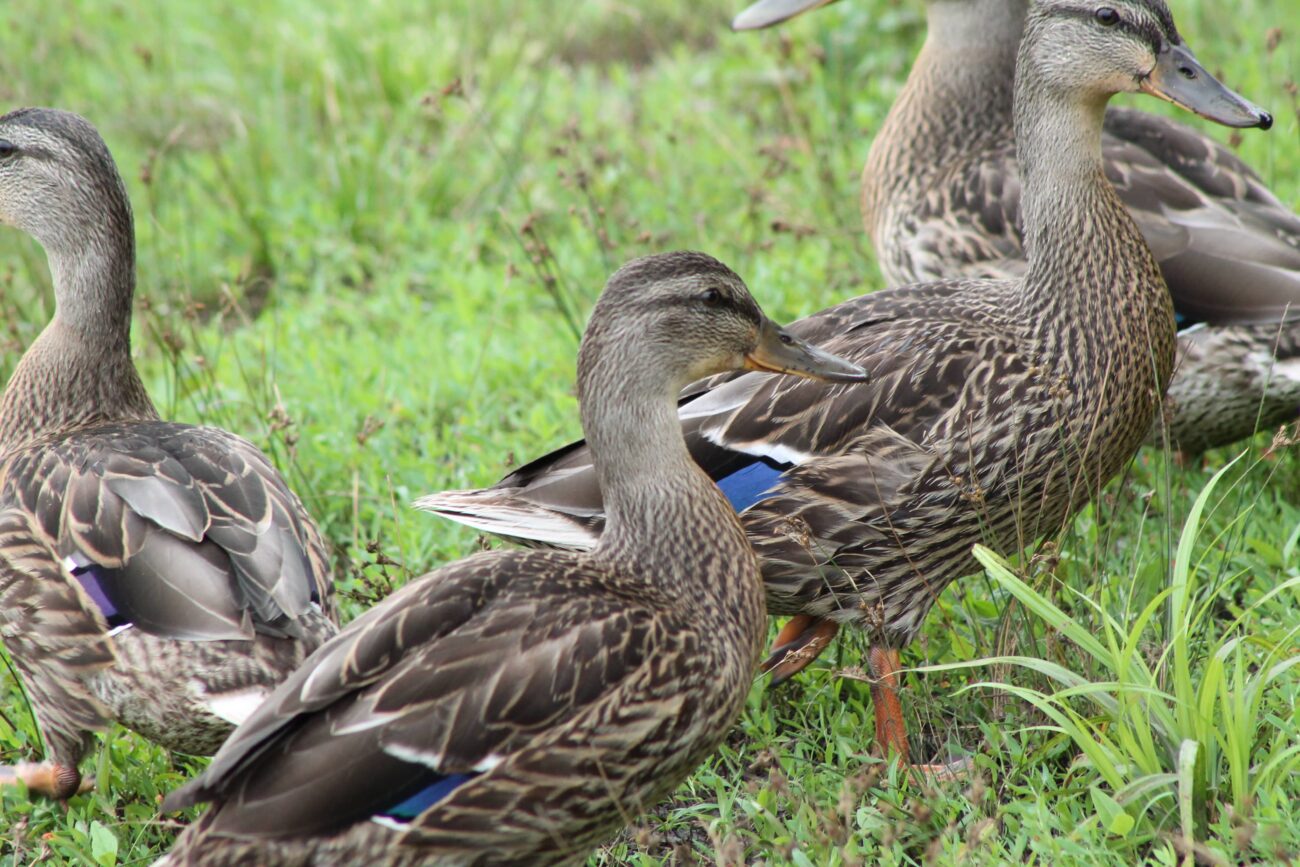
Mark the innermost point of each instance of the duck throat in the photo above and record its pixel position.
(955, 106)
(1093, 301)
(79, 370)
(94, 284)
(662, 510)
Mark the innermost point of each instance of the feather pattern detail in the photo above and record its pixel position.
(942, 199)
(146, 568)
(518, 707)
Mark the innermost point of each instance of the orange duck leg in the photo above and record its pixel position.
(798, 643)
(803, 639)
(47, 779)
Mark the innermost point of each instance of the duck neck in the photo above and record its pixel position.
(1093, 291)
(661, 509)
(79, 370)
(958, 95)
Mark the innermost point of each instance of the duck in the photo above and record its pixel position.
(519, 707)
(996, 409)
(941, 198)
(158, 575)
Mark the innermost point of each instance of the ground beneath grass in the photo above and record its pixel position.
(369, 234)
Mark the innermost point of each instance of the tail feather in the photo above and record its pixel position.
(501, 514)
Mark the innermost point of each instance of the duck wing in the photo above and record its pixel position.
(50, 629)
(184, 532)
(449, 679)
(758, 435)
(1228, 248)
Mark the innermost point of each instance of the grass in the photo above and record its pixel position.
(368, 235)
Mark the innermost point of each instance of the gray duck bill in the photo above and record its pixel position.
(778, 351)
(766, 13)
(1180, 79)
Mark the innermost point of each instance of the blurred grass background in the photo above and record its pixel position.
(369, 233)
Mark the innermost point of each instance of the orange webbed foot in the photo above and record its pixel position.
(891, 734)
(799, 642)
(47, 779)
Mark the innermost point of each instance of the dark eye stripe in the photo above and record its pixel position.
(1143, 30)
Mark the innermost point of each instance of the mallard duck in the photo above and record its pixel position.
(996, 409)
(155, 574)
(941, 198)
(520, 707)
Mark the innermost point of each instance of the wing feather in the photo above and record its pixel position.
(920, 357)
(452, 674)
(1228, 247)
(194, 535)
(55, 635)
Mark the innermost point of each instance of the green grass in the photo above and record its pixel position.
(369, 233)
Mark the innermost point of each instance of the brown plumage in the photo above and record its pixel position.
(519, 707)
(941, 198)
(155, 574)
(996, 408)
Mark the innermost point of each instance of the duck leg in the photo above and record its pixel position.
(891, 733)
(803, 639)
(48, 779)
(798, 643)
(58, 642)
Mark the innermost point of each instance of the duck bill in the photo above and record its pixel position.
(765, 13)
(1180, 79)
(779, 351)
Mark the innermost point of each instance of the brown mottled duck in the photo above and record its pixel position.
(155, 574)
(941, 198)
(996, 409)
(520, 707)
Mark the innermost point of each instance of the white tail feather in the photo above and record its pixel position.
(518, 520)
(1288, 369)
(235, 707)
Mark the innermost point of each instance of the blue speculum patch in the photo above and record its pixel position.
(96, 585)
(751, 483)
(426, 797)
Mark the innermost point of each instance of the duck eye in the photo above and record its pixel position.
(7, 149)
(711, 297)
(1107, 16)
